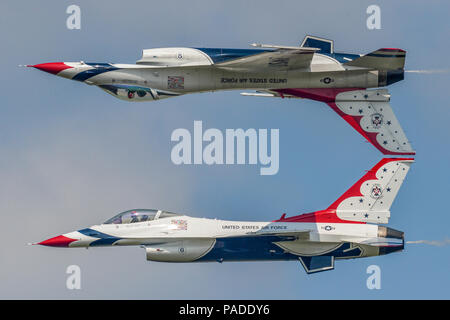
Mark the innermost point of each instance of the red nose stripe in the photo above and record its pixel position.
(59, 241)
(51, 67)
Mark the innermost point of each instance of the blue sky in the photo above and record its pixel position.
(73, 156)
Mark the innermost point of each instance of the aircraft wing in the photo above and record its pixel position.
(280, 59)
(367, 111)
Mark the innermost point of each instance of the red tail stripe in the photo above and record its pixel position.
(355, 190)
(329, 215)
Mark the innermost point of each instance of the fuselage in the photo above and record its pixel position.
(166, 72)
(340, 80)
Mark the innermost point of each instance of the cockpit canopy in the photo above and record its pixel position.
(139, 215)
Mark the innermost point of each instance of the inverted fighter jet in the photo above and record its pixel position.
(346, 229)
(312, 70)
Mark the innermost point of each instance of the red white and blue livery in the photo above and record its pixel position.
(312, 70)
(347, 229)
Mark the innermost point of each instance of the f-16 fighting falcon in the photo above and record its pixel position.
(346, 229)
(312, 70)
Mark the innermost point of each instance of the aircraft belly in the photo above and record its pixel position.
(271, 248)
(246, 249)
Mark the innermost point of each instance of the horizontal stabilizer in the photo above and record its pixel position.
(317, 263)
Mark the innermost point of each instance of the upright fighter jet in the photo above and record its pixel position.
(347, 229)
(312, 70)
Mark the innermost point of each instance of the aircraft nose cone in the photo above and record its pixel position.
(59, 241)
(51, 67)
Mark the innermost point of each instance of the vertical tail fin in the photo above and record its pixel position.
(370, 199)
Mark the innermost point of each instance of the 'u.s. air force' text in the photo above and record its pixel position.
(252, 227)
(253, 80)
